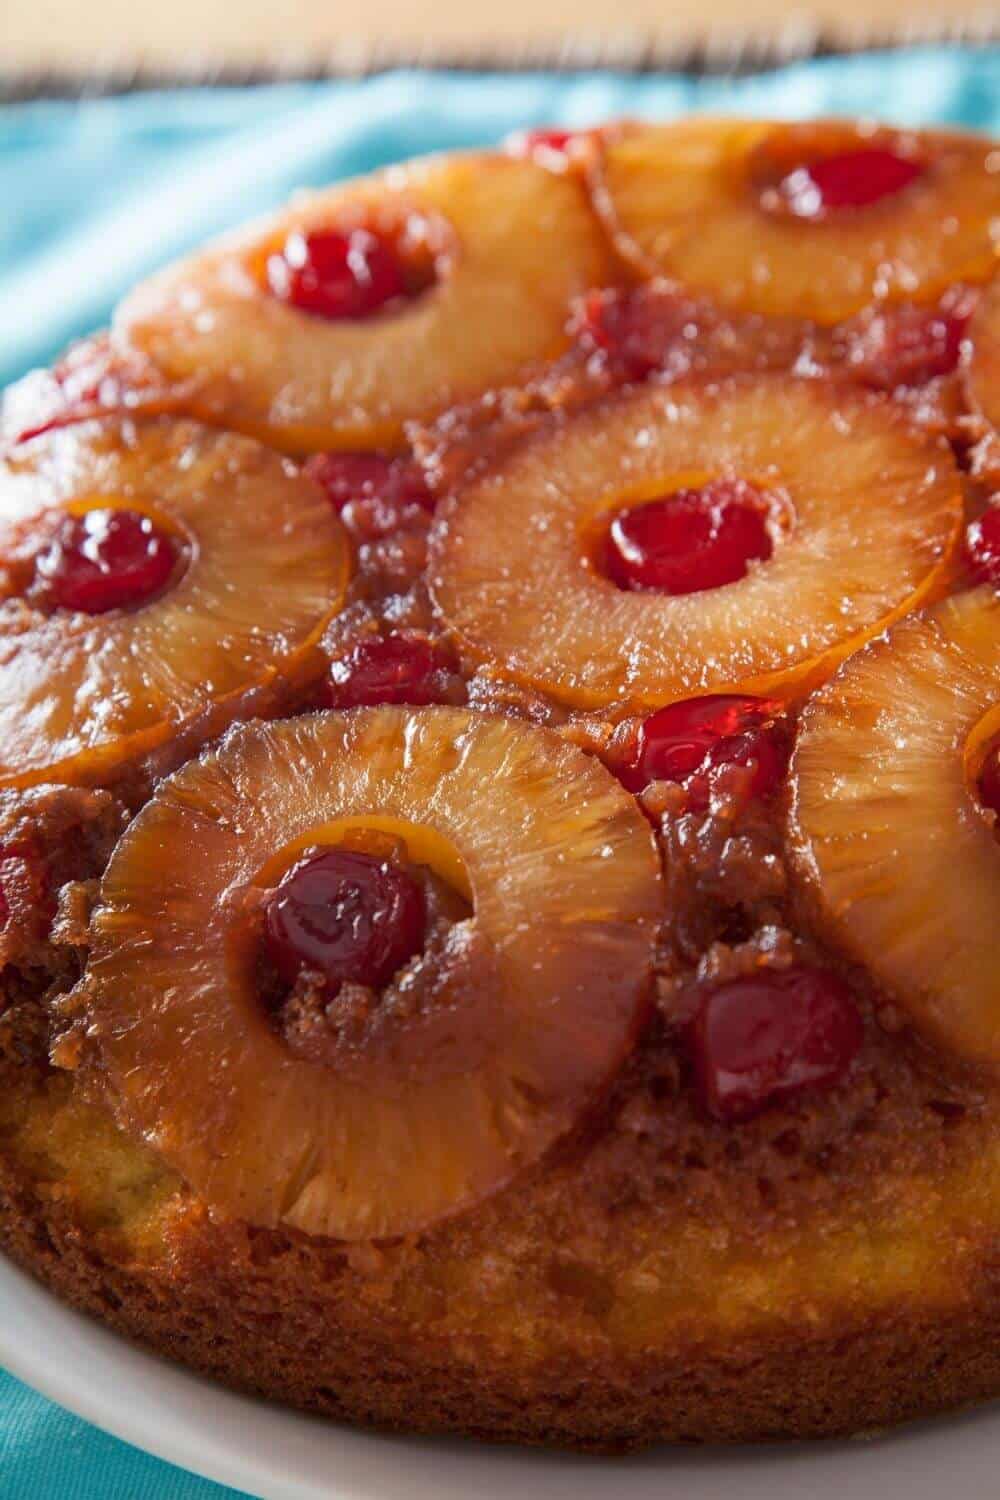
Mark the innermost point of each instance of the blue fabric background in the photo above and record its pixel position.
(104, 191)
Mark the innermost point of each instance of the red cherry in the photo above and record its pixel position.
(638, 332)
(386, 669)
(105, 559)
(926, 345)
(687, 742)
(348, 477)
(349, 915)
(689, 541)
(545, 142)
(982, 547)
(937, 352)
(763, 749)
(909, 346)
(850, 179)
(765, 1037)
(676, 739)
(989, 781)
(334, 275)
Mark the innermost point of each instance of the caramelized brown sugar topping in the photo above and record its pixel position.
(587, 548)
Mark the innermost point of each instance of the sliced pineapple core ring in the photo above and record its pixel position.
(267, 565)
(903, 867)
(533, 1014)
(875, 514)
(682, 201)
(983, 375)
(523, 242)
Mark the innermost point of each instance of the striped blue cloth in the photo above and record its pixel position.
(104, 191)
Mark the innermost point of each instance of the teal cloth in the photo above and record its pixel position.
(106, 190)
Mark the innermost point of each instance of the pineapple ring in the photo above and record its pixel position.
(268, 565)
(682, 201)
(91, 380)
(877, 513)
(983, 374)
(518, 244)
(903, 865)
(538, 1010)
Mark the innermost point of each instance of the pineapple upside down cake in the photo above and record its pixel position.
(499, 793)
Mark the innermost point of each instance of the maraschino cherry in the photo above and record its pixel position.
(847, 180)
(348, 915)
(989, 781)
(691, 540)
(688, 742)
(907, 344)
(766, 1037)
(982, 547)
(337, 275)
(371, 477)
(547, 144)
(397, 668)
(637, 333)
(105, 559)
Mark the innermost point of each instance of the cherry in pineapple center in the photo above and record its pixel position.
(690, 540)
(347, 275)
(347, 915)
(104, 559)
(988, 785)
(801, 174)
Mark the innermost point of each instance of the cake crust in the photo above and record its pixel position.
(867, 1374)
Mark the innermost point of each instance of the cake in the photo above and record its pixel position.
(499, 793)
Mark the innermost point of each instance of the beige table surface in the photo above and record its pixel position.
(287, 34)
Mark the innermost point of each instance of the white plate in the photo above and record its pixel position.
(280, 1455)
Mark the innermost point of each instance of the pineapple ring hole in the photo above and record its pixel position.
(371, 832)
(787, 171)
(982, 740)
(39, 529)
(162, 519)
(423, 245)
(183, 536)
(762, 494)
(406, 847)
